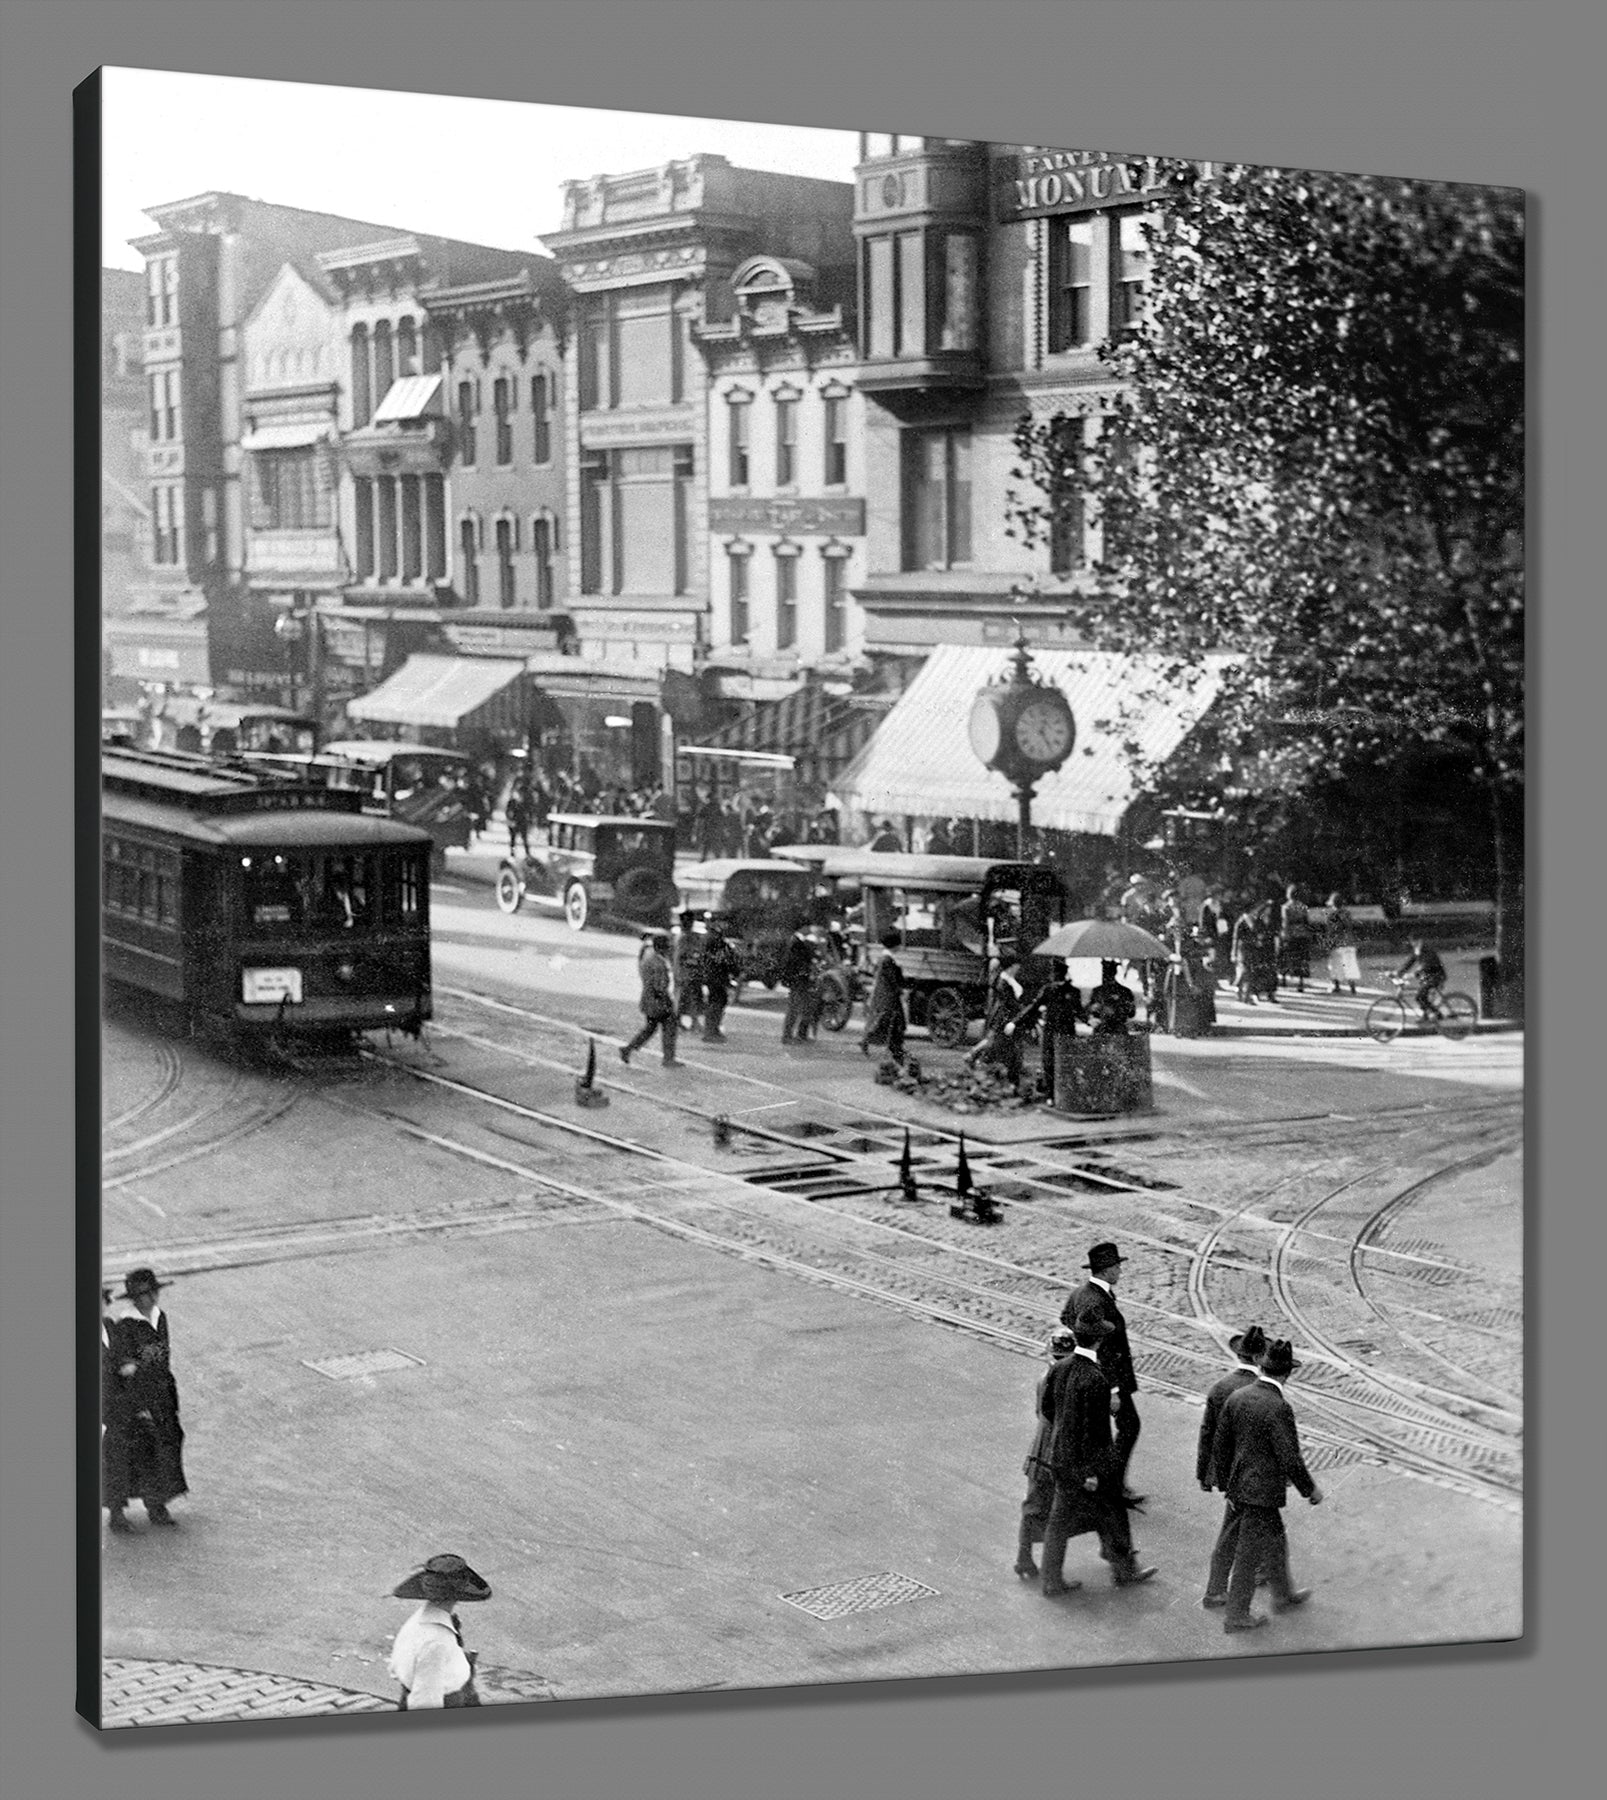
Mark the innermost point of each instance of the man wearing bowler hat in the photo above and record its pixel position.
(1247, 1346)
(151, 1397)
(428, 1659)
(1097, 1296)
(1040, 1476)
(1088, 1497)
(1255, 1455)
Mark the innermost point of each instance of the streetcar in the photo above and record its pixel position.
(260, 902)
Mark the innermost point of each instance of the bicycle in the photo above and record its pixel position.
(1453, 1015)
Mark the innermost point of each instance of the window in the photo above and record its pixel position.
(541, 414)
(741, 623)
(406, 885)
(1132, 271)
(155, 383)
(880, 316)
(507, 584)
(140, 881)
(431, 350)
(737, 413)
(289, 495)
(542, 544)
(646, 360)
(895, 295)
(407, 348)
(786, 443)
(435, 526)
(937, 498)
(384, 360)
(468, 409)
(1067, 521)
(594, 359)
(209, 525)
(593, 491)
(959, 291)
(911, 294)
(879, 143)
(836, 443)
(836, 602)
(363, 493)
(786, 600)
(167, 525)
(501, 403)
(385, 530)
(162, 291)
(362, 390)
(646, 530)
(1071, 271)
(468, 553)
(166, 414)
(412, 530)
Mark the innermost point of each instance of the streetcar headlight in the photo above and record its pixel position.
(347, 971)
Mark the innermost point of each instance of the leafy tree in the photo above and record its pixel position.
(1314, 463)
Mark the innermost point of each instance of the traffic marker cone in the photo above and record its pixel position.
(963, 1183)
(972, 1201)
(587, 1092)
(906, 1171)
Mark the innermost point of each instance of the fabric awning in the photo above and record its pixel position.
(409, 398)
(287, 437)
(437, 690)
(593, 677)
(920, 762)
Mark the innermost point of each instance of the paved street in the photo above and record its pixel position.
(660, 1391)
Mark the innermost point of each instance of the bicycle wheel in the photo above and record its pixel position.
(1458, 1016)
(1386, 1019)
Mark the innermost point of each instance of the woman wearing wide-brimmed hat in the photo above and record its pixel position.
(428, 1659)
(148, 1399)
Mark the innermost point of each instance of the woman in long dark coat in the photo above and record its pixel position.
(156, 1471)
(885, 1024)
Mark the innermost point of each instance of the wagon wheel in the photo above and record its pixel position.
(577, 905)
(946, 1018)
(836, 1000)
(510, 889)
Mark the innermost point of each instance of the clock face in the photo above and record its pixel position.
(1043, 731)
(985, 732)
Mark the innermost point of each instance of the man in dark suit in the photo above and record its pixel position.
(1097, 1296)
(1088, 1497)
(1248, 1347)
(1255, 1455)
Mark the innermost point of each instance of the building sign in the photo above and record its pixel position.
(1040, 182)
(492, 640)
(658, 424)
(828, 518)
(637, 625)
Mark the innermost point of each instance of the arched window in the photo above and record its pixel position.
(543, 541)
(406, 348)
(507, 575)
(384, 360)
(469, 557)
(362, 389)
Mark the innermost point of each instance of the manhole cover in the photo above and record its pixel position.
(867, 1594)
(364, 1362)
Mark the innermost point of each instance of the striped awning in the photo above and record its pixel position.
(920, 762)
(441, 691)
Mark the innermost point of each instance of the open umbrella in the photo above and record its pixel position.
(1103, 940)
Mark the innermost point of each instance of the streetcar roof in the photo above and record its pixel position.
(309, 827)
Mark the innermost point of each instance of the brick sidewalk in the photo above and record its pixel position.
(180, 1693)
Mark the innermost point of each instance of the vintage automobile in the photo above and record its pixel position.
(596, 863)
(760, 903)
(956, 915)
(410, 783)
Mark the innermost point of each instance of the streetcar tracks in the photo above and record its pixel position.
(170, 1069)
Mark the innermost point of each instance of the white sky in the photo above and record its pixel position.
(421, 162)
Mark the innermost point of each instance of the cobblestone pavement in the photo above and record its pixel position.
(136, 1692)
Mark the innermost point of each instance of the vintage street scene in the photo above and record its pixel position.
(812, 914)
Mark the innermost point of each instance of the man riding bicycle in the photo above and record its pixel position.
(1425, 963)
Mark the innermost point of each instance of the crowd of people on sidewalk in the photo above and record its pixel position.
(1086, 1426)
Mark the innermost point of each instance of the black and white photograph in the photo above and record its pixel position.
(812, 904)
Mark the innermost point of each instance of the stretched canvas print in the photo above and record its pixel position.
(811, 909)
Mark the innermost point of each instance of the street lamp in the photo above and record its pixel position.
(1022, 726)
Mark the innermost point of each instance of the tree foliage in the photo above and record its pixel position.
(1315, 463)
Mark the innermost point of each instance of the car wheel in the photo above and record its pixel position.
(577, 905)
(510, 889)
(836, 1002)
(946, 1019)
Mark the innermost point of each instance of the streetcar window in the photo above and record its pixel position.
(273, 893)
(338, 891)
(407, 888)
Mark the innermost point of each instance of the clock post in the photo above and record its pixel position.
(1023, 727)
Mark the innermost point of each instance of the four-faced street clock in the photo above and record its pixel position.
(1024, 728)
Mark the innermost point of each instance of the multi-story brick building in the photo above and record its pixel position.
(648, 256)
(124, 511)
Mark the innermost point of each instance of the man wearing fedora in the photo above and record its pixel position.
(1040, 1475)
(428, 1659)
(150, 1398)
(1247, 1346)
(1088, 1496)
(1255, 1455)
(1097, 1296)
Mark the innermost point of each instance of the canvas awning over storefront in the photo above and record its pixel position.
(440, 691)
(299, 436)
(920, 762)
